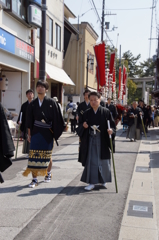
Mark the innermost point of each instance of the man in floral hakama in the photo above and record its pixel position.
(45, 124)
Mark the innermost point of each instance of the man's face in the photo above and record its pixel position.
(134, 105)
(41, 89)
(86, 96)
(30, 96)
(109, 101)
(94, 101)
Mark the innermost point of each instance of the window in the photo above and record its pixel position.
(19, 8)
(58, 37)
(49, 30)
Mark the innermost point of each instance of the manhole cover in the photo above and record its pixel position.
(143, 169)
(140, 209)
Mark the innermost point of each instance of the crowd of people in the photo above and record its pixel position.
(93, 120)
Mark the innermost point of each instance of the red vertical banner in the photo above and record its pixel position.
(100, 58)
(124, 80)
(111, 64)
(119, 82)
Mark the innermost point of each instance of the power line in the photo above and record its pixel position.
(100, 21)
(126, 9)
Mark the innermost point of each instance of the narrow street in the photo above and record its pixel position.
(62, 206)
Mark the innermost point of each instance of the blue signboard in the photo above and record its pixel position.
(16, 46)
(7, 41)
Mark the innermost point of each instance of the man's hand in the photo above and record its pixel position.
(140, 113)
(85, 125)
(110, 131)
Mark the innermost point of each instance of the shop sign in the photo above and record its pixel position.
(16, 46)
(34, 16)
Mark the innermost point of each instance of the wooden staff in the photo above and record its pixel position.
(111, 145)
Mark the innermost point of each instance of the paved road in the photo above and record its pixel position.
(78, 215)
(21, 162)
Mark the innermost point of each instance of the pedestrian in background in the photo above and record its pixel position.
(112, 108)
(134, 121)
(83, 106)
(72, 112)
(23, 127)
(152, 117)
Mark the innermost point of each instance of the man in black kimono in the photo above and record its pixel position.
(6, 143)
(83, 106)
(112, 108)
(23, 110)
(134, 121)
(44, 123)
(94, 153)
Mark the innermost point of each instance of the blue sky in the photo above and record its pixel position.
(133, 26)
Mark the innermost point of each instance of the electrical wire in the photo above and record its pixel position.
(101, 22)
(126, 9)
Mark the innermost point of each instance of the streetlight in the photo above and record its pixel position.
(89, 58)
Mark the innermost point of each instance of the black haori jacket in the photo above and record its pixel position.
(6, 142)
(105, 141)
(52, 113)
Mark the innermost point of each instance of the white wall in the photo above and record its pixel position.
(56, 13)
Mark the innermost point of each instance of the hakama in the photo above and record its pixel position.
(97, 170)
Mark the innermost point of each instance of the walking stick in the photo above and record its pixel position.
(143, 126)
(111, 144)
(18, 135)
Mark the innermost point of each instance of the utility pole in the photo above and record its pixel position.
(103, 19)
(42, 45)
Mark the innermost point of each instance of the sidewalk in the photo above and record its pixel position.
(141, 215)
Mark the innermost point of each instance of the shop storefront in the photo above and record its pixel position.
(15, 58)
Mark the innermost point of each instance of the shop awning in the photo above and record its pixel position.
(56, 74)
(92, 89)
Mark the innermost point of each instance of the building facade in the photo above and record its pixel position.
(16, 53)
(55, 75)
(80, 50)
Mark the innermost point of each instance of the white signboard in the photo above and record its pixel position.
(34, 16)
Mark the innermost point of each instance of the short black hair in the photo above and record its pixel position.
(94, 94)
(42, 83)
(29, 90)
(86, 91)
(109, 98)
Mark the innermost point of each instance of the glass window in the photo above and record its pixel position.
(58, 37)
(49, 30)
(19, 7)
(8, 4)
